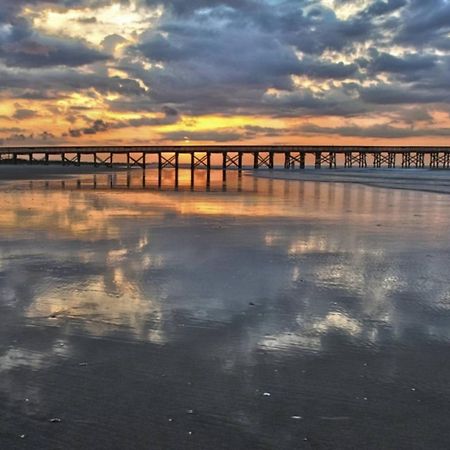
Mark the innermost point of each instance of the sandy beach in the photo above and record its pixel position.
(284, 311)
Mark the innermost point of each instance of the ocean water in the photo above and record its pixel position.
(145, 312)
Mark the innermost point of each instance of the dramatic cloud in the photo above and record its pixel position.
(225, 70)
(23, 113)
(375, 131)
(168, 117)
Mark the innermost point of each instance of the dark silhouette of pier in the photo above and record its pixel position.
(233, 156)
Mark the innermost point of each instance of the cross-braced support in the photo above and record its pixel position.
(132, 161)
(170, 162)
(325, 158)
(359, 159)
(231, 160)
(381, 159)
(290, 159)
(262, 159)
(410, 159)
(71, 160)
(98, 161)
(201, 162)
(440, 160)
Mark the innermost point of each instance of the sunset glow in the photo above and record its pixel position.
(278, 72)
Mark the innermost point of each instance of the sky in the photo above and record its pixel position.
(224, 71)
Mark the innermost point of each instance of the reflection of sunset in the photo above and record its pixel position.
(119, 252)
(91, 214)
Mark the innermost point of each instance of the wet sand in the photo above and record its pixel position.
(263, 314)
(9, 172)
(427, 180)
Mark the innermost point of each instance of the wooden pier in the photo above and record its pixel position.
(229, 156)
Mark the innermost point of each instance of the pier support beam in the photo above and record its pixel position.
(410, 159)
(233, 160)
(384, 159)
(98, 161)
(350, 159)
(168, 162)
(201, 162)
(325, 158)
(263, 159)
(440, 160)
(291, 158)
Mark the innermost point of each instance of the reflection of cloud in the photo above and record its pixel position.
(289, 341)
(17, 357)
(154, 266)
(338, 321)
(306, 336)
(101, 308)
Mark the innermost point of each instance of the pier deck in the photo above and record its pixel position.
(233, 156)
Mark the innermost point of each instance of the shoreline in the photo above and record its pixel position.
(423, 180)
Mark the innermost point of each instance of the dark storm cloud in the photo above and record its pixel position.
(183, 7)
(412, 62)
(216, 52)
(383, 94)
(169, 116)
(97, 127)
(52, 82)
(22, 137)
(305, 102)
(413, 115)
(379, 8)
(375, 131)
(23, 113)
(425, 24)
(227, 58)
(40, 51)
(225, 55)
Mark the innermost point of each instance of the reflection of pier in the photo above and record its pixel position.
(150, 179)
(225, 157)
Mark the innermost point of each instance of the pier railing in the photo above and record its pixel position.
(233, 156)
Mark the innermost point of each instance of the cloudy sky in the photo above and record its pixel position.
(218, 71)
